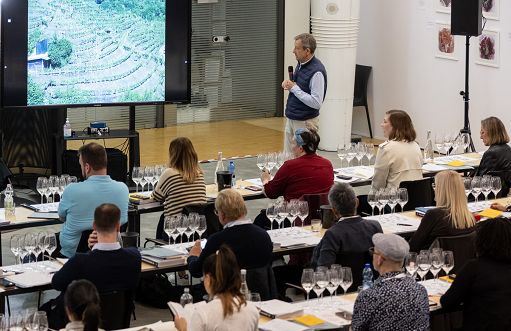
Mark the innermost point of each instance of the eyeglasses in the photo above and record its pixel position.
(216, 212)
(373, 252)
(433, 185)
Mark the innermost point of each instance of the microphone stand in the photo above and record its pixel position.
(465, 95)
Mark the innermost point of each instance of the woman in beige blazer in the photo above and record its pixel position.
(400, 157)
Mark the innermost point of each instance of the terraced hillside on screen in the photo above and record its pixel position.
(96, 51)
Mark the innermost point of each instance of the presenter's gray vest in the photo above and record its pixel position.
(295, 109)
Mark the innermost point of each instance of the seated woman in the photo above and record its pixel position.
(450, 218)
(400, 157)
(498, 156)
(82, 306)
(481, 288)
(182, 183)
(307, 173)
(228, 309)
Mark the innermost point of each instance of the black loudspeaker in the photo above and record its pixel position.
(466, 17)
(117, 164)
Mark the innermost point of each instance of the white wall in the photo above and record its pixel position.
(398, 39)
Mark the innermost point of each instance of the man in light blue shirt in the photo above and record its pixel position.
(79, 200)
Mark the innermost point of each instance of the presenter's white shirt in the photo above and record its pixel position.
(210, 317)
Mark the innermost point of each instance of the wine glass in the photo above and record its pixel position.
(360, 152)
(486, 186)
(194, 223)
(369, 153)
(341, 152)
(42, 320)
(181, 225)
(42, 186)
(336, 278)
(271, 214)
(456, 142)
(436, 259)
(307, 281)
(188, 231)
(30, 244)
(424, 263)
(465, 141)
(136, 176)
(16, 322)
(15, 248)
(293, 208)
(143, 178)
(203, 225)
(303, 211)
(347, 279)
(371, 200)
(282, 213)
(475, 187)
(321, 281)
(411, 263)
(50, 243)
(61, 186)
(38, 245)
(148, 176)
(393, 198)
(72, 179)
(439, 142)
(168, 226)
(260, 161)
(333, 277)
(381, 197)
(271, 161)
(350, 153)
(448, 143)
(496, 185)
(175, 219)
(467, 183)
(41, 239)
(448, 259)
(53, 182)
(403, 197)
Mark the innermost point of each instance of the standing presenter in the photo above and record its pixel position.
(307, 87)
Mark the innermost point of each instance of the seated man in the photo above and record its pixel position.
(108, 266)
(251, 244)
(395, 302)
(80, 199)
(351, 233)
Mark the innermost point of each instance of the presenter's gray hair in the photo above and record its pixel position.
(343, 199)
(308, 41)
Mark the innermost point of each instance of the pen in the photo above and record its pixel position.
(404, 224)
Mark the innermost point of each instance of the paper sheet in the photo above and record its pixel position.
(281, 325)
(396, 223)
(435, 287)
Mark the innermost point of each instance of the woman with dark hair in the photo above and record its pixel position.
(498, 156)
(481, 288)
(82, 306)
(228, 308)
(400, 157)
(307, 173)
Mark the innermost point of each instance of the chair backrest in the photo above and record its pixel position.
(262, 281)
(314, 201)
(505, 178)
(116, 309)
(463, 248)
(356, 261)
(362, 74)
(83, 246)
(420, 193)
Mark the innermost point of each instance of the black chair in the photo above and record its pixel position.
(208, 210)
(262, 281)
(116, 309)
(83, 245)
(420, 193)
(356, 261)
(362, 74)
(315, 201)
(505, 178)
(463, 248)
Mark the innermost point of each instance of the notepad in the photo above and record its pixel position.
(456, 163)
(30, 279)
(490, 213)
(309, 320)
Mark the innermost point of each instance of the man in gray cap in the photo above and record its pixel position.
(395, 302)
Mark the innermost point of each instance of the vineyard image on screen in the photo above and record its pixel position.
(95, 51)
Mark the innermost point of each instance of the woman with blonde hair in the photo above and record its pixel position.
(182, 183)
(228, 308)
(400, 157)
(451, 216)
(498, 156)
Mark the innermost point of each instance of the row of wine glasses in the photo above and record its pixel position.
(355, 151)
(29, 319)
(448, 143)
(147, 175)
(180, 225)
(270, 161)
(389, 196)
(32, 244)
(293, 210)
(325, 278)
(485, 185)
(429, 261)
(48, 187)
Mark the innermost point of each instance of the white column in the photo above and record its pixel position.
(335, 25)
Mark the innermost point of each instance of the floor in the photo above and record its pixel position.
(246, 137)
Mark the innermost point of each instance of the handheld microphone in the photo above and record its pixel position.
(290, 73)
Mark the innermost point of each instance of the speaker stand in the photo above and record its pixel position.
(465, 95)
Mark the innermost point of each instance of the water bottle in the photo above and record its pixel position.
(367, 277)
(428, 150)
(232, 170)
(67, 129)
(9, 203)
(244, 287)
(186, 298)
(219, 165)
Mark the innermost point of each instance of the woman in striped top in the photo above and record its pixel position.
(182, 183)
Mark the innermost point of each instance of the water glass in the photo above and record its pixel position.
(316, 225)
(411, 263)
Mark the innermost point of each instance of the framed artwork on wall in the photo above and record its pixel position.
(443, 6)
(446, 46)
(491, 9)
(488, 48)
